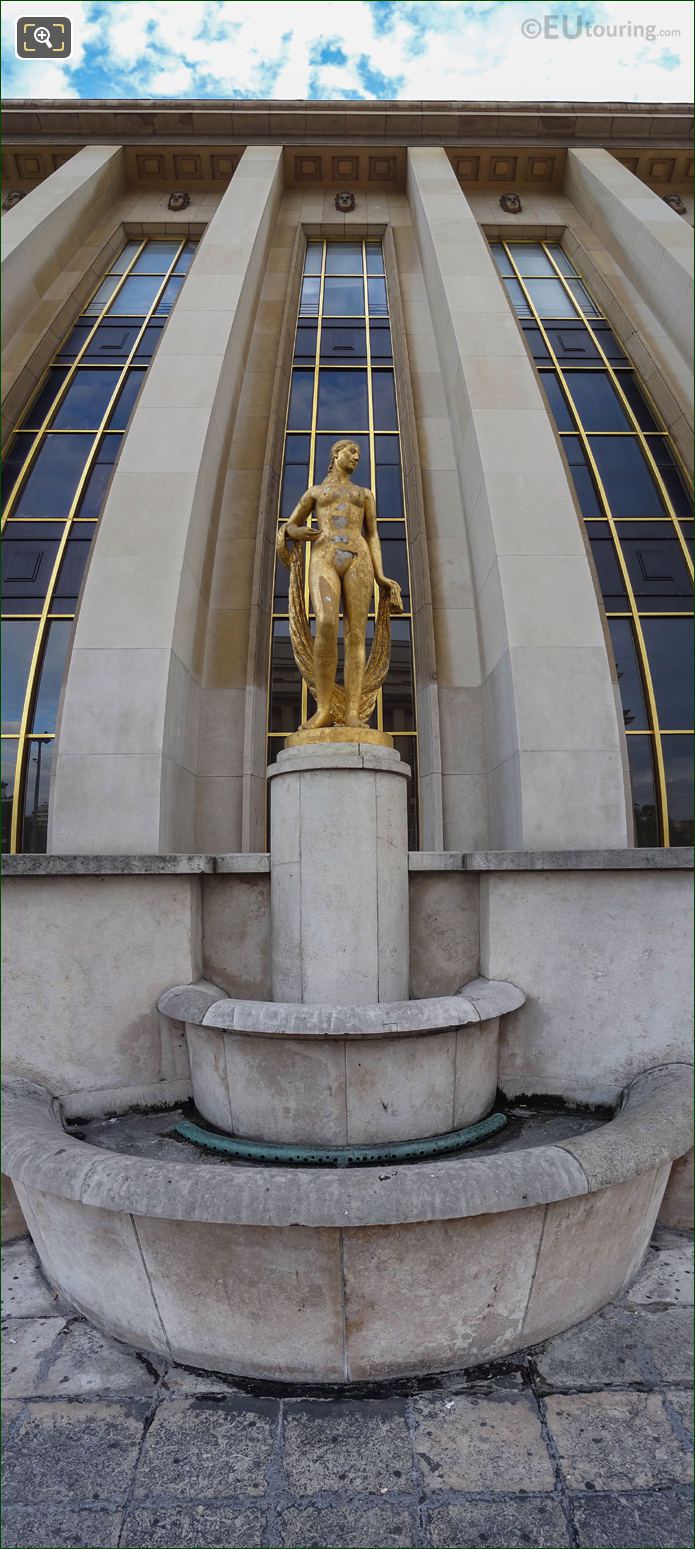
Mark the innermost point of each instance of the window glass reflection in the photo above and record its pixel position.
(596, 401)
(51, 675)
(54, 477)
(8, 758)
(28, 555)
(18, 639)
(670, 654)
(37, 781)
(35, 416)
(625, 475)
(629, 676)
(136, 295)
(384, 399)
(640, 752)
(344, 258)
(86, 400)
(157, 257)
(343, 298)
(342, 400)
(678, 767)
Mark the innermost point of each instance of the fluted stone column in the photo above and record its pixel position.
(651, 243)
(127, 738)
(555, 768)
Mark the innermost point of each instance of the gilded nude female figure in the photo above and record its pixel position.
(345, 562)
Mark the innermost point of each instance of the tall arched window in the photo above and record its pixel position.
(638, 517)
(55, 477)
(343, 384)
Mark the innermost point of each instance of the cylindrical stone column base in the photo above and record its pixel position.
(339, 875)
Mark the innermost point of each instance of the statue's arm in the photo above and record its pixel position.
(296, 527)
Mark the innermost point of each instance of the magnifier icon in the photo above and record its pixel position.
(42, 35)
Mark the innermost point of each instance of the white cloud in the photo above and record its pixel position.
(443, 49)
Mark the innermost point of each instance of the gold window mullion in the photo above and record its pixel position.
(642, 649)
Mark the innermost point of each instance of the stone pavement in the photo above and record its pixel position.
(585, 1441)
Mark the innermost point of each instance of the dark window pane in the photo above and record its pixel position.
(517, 298)
(157, 257)
(530, 259)
(344, 341)
(125, 258)
(678, 493)
(637, 401)
(344, 258)
(305, 343)
(625, 476)
(86, 400)
(387, 450)
(395, 561)
(342, 400)
(113, 341)
(609, 344)
(536, 344)
(380, 340)
(362, 474)
(557, 401)
(51, 675)
(572, 344)
(644, 806)
(102, 296)
(656, 564)
(150, 341)
(629, 676)
(678, 764)
(285, 682)
(607, 566)
(581, 295)
(294, 483)
(51, 485)
(94, 491)
(378, 304)
(121, 412)
(71, 571)
(35, 416)
(136, 295)
(301, 397)
(312, 262)
(281, 588)
(74, 342)
(185, 258)
(28, 557)
(297, 449)
(13, 463)
(687, 531)
(18, 637)
(669, 645)
(561, 259)
(550, 298)
(344, 298)
(8, 757)
(501, 259)
(596, 401)
(384, 400)
(389, 491)
(37, 781)
(169, 295)
(375, 258)
(583, 481)
(309, 303)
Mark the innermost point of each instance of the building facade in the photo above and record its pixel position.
(494, 301)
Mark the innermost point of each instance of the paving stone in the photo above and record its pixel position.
(682, 1403)
(663, 1520)
(666, 1337)
(73, 1452)
(207, 1526)
(26, 1343)
(509, 1522)
(89, 1362)
(347, 1445)
(26, 1526)
(616, 1441)
(603, 1350)
(481, 1444)
(198, 1448)
(357, 1526)
(180, 1379)
(666, 1276)
(25, 1293)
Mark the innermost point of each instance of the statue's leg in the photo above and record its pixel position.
(324, 588)
(358, 591)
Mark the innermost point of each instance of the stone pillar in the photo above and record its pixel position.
(40, 234)
(339, 875)
(651, 243)
(128, 735)
(555, 769)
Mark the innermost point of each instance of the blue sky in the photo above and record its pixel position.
(362, 48)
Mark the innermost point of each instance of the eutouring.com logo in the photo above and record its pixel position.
(44, 37)
(576, 27)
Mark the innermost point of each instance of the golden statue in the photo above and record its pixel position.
(345, 563)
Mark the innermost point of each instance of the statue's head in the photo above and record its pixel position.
(344, 454)
(178, 201)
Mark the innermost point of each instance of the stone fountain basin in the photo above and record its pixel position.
(312, 1275)
(343, 1075)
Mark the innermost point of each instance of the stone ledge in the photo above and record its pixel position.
(577, 860)
(133, 865)
(653, 1127)
(480, 1001)
(258, 863)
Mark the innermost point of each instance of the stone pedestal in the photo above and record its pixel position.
(339, 874)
